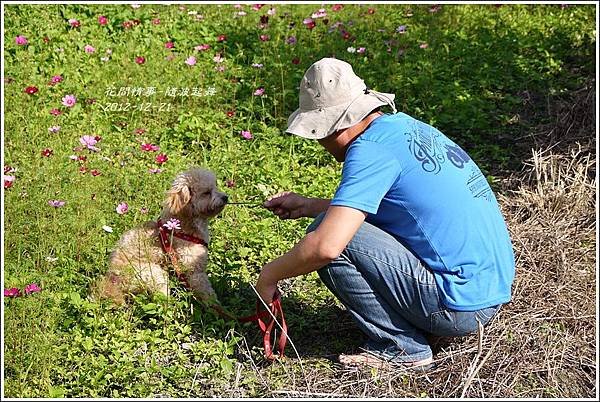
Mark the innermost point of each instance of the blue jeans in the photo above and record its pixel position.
(393, 297)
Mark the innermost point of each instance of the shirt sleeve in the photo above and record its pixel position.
(369, 172)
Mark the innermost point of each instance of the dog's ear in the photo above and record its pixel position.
(177, 198)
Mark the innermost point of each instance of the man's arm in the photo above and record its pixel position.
(314, 251)
(316, 206)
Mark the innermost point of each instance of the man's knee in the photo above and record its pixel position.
(315, 223)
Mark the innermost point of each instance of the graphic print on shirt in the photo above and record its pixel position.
(478, 185)
(431, 150)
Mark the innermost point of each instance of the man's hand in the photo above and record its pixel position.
(287, 205)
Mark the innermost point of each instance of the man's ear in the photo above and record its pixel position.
(177, 198)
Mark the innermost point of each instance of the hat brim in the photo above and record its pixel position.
(318, 123)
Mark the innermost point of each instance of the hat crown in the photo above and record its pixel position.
(329, 82)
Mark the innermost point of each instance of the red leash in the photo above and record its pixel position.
(167, 247)
(262, 316)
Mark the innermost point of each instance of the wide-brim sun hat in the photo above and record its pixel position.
(332, 98)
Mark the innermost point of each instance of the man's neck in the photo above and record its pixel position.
(355, 131)
(338, 144)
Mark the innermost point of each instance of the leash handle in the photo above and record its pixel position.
(267, 329)
(266, 324)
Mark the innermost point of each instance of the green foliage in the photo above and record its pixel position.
(468, 81)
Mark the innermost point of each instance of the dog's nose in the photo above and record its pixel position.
(225, 198)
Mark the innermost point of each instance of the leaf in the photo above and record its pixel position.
(226, 366)
(87, 344)
(75, 298)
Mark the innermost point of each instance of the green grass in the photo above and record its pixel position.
(467, 82)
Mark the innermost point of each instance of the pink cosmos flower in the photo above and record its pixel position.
(89, 142)
(122, 208)
(309, 23)
(156, 21)
(161, 158)
(95, 172)
(47, 152)
(173, 224)
(202, 48)
(259, 92)
(291, 40)
(337, 7)
(32, 288)
(56, 79)
(221, 38)
(69, 100)
(296, 61)
(55, 112)
(149, 147)
(169, 45)
(54, 129)
(21, 40)
(361, 50)
(155, 170)
(218, 58)
(8, 181)
(190, 61)
(31, 90)
(12, 292)
(140, 60)
(264, 38)
(271, 11)
(230, 183)
(89, 49)
(74, 23)
(56, 203)
(230, 113)
(257, 7)
(246, 134)
(9, 169)
(102, 20)
(319, 14)
(220, 68)
(423, 45)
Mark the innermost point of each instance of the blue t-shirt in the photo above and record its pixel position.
(418, 185)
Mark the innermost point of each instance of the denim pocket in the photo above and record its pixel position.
(460, 323)
(441, 323)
